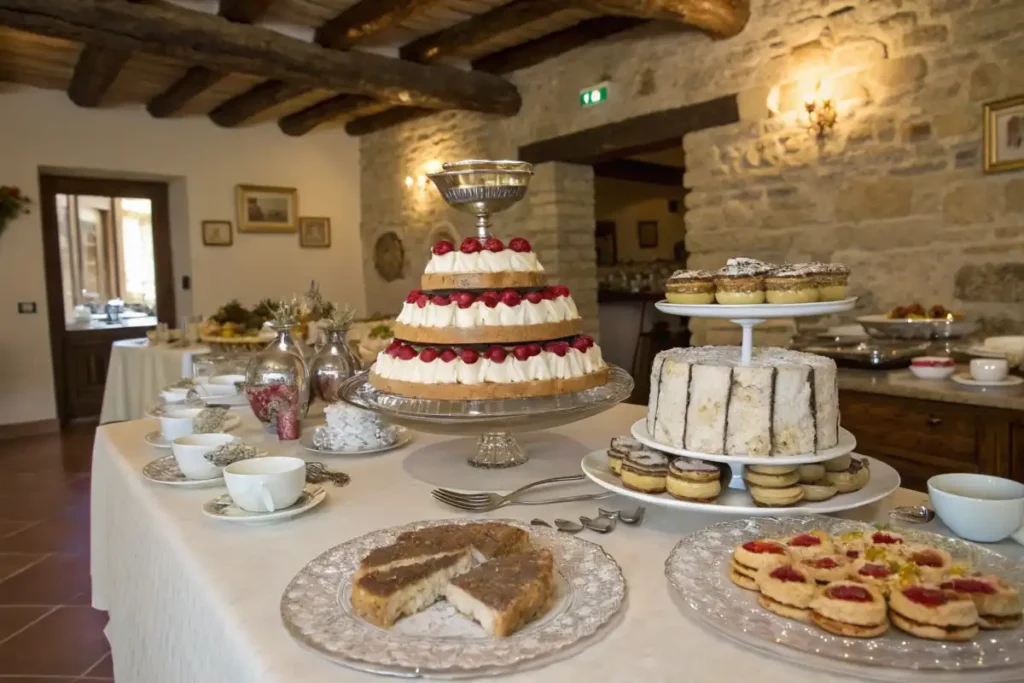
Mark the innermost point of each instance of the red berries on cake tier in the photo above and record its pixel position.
(483, 264)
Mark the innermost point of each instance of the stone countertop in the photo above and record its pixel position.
(903, 383)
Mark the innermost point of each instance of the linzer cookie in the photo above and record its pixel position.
(928, 611)
(847, 608)
(793, 284)
(998, 603)
(691, 287)
(645, 470)
(787, 590)
(692, 479)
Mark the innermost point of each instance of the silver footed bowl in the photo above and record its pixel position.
(482, 187)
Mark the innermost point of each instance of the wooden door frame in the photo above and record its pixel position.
(50, 185)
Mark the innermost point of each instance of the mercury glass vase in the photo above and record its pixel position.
(331, 366)
(277, 373)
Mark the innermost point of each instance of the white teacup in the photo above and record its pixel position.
(190, 452)
(178, 422)
(979, 507)
(226, 380)
(989, 369)
(174, 394)
(265, 484)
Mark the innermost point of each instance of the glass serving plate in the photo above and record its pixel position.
(884, 327)
(492, 420)
(876, 354)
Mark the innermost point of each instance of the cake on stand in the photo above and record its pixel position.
(559, 376)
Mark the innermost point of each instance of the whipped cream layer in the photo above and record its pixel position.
(478, 314)
(484, 261)
(544, 366)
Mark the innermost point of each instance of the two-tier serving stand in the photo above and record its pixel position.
(484, 188)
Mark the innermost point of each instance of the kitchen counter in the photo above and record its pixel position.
(902, 383)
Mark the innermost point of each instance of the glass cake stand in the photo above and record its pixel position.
(491, 420)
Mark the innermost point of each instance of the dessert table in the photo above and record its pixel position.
(191, 599)
(137, 372)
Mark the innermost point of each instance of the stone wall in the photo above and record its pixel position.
(896, 191)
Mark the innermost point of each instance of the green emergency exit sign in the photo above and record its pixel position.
(594, 95)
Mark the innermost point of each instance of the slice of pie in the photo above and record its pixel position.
(416, 547)
(507, 593)
(383, 596)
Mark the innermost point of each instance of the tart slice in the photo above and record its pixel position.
(847, 608)
(382, 597)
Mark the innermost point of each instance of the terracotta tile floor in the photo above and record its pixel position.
(48, 631)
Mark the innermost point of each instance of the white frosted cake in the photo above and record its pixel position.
(352, 429)
(783, 403)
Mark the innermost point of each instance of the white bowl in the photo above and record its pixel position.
(979, 507)
(932, 371)
(190, 451)
(265, 484)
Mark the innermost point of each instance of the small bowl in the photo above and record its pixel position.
(979, 507)
(932, 367)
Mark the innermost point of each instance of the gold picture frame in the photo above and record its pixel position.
(1004, 135)
(314, 232)
(262, 208)
(217, 234)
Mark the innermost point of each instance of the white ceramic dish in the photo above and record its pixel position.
(224, 508)
(265, 485)
(190, 454)
(734, 501)
(932, 371)
(979, 507)
(403, 435)
(990, 369)
(756, 311)
(846, 444)
(157, 439)
(165, 471)
(967, 380)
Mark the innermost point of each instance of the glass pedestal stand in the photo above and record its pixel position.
(492, 421)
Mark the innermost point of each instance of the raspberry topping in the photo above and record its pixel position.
(470, 245)
(547, 293)
(494, 244)
(875, 571)
(463, 299)
(970, 586)
(497, 354)
(490, 299)
(428, 355)
(580, 344)
(805, 540)
(448, 355)
(560, 290)
(406, 352)
(534, 297)
(469, 356)
(535, 349)
(849, 593)
(588, 339)
(521, 352)
(519, 244)
(822, 563)
(883, 538)
(929, 597)
(413, 295)
(927, 558)
(421, 301)
(510, 297)
(558, 348)
(764, 547)
(853, 554)
(393, 347)
(440, 300)
(443, 247)
(787, 573)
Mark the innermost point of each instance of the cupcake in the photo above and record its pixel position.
(831, 280)
(741, 281)
(795, 284)
(691, 287)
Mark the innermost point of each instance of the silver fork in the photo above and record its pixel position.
(485, 502)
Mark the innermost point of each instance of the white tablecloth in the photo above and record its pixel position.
(138, 371)
(194, 600)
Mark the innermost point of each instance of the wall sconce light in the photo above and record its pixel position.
(821, 111)
(420, 179)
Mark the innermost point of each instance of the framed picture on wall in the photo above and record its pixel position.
(1004, 135)
(217, 234)
(314, 232)
(267, 209)
(647, 234)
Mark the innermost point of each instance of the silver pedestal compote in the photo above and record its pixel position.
(482, 187)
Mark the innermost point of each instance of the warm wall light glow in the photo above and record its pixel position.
(774, 98)
(422, 181)
(432, 166)
(409, 181)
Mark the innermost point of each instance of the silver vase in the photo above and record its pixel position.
(333, 364)
(277, 373)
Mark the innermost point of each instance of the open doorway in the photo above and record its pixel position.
(108, 277)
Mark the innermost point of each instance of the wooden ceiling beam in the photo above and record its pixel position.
(196, 80)
(367, 18)
(95, 71)
(364, 125)
(202, 39)
(721, 18)
(301, 122)
(244, 11)
(239, 109)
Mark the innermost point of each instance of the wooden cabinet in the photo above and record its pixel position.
(924, 438)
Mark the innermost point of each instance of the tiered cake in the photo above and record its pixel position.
(486, 326)
(783, 403)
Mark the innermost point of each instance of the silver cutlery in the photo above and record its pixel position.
(539, 522)
(568, 527)
(485, 502)
(601, 525)
(635, 518)
(912, 514)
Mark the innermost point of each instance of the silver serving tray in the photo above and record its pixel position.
(884, 327)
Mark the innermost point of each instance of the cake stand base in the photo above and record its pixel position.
(498, 450)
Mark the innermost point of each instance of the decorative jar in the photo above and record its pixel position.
(334, 363)
(278, 373)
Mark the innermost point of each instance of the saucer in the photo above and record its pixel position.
(402, 437)
(165, 471)
(222, 507)
(155, 438)
(966, 379)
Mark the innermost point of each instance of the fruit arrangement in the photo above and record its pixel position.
(916, 311)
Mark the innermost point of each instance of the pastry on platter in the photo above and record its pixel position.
(839, 464)
(928, 611)
(932, 564)
(850, 609)
(645, 470)
(775, 497)
(890, 540)
(691, 287)
(998, 603)
(382, 597)
(620, 446)
(771, 476)
(878, 573)
(818, 491)
(791, 284)
(851, 543)
(482, 540)
(811, 473)
(787, 590)
(741, 281)
(751, 557)
(853, 478)
(809, 545)
(831, 280)
(827, 568)
(692, 479)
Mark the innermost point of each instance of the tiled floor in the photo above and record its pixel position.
(48, 631)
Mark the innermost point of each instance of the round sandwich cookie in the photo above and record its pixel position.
(770, 497)
(809, 545)
(811, 473)
(625, 444)
(692, 479)
(847, 608)
(644, 470)
(877, 573)
(853, 478)
(927, 611)
(751, 557)
(851, 544)
(774, 479)
(838, 464)
(932, 564)
(827, 568)
(998, 603)
(787, 590)
(691, 287)
(818, 491)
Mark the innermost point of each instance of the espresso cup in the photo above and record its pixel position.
(178, 422)
(265, 484)
(190, 453)
(989, 369)
(979, 507)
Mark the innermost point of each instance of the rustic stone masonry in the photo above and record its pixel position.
(896, 191)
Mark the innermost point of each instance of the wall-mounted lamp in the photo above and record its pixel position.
(821, 111)
(420, 180)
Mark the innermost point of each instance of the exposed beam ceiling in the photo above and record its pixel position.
(722, 18)
(366, 18)
(244, 11)
(95, 72)
(640, 172)
(201, 39)
(267, 94)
